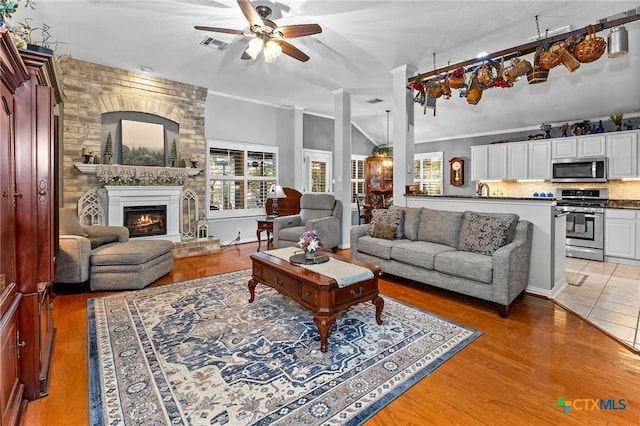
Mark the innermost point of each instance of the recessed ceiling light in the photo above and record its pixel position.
(482, 55)
(146, 69)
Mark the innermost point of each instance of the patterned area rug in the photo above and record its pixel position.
(197, 353)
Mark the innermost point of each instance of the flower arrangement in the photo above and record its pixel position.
(309, 241)
(616, 118)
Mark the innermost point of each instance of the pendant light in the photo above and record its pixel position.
(618, 42)
(388, 161)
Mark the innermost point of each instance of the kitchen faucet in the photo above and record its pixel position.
(480, 190)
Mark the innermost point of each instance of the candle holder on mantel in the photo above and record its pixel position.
(87, 158)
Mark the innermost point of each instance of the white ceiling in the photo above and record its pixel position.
(360, 43)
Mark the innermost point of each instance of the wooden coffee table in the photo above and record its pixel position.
(316, 292)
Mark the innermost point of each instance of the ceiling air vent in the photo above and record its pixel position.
(374, 101)
(214, 43)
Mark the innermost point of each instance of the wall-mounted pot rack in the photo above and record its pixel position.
(523, 49)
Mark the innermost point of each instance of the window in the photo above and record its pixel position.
(427, 172)
(357, 176)
(239, 177)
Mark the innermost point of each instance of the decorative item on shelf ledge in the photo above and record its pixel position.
(194, 160)
(564, 128)
(108, 150)
(203, 228)
(617, 120)
(546, 128)
(174, 153)
(310, 243)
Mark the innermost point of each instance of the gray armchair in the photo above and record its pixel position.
(319, 212)
(76, 243)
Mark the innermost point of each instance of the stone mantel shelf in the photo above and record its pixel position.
(91, 169)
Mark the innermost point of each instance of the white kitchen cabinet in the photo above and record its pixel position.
(620, 227)
(539, 160)
(479, 162)
(564, 148)
(580, 146)
(591, 146)
(622, 149)
(517, 160)
(497, 162)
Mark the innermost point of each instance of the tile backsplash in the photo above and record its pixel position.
(618, 189)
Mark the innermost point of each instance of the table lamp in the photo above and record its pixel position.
(275, 192)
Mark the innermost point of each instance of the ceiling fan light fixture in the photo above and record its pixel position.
(271, 51)
(254, 48)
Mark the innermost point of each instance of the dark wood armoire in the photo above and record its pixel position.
(28, 212)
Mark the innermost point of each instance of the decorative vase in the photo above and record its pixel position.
(309, 255)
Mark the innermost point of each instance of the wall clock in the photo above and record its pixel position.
(456, 171)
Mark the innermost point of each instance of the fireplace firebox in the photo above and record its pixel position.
(145, 221)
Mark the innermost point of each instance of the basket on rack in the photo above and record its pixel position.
(591, 48)
(567, 59)
(518, 68)
(537, 74)
(552, 57)
(456, 79)
(474, 94)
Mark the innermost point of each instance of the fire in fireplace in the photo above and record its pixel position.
(144, 221)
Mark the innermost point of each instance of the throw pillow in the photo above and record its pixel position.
(384, 217)
(483, 233)
(383, 231)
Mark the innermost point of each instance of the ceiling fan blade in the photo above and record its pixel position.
(218, 30)
(291, 50)
(250, 13)
(301, 30)
(245, 56)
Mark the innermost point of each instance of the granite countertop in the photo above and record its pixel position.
(475, 197)
(624, 204)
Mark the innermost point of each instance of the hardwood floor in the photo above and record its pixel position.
(513, 374)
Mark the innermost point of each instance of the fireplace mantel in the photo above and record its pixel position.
(121, 196)
(89, 168)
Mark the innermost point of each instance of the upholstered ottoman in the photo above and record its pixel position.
(131, 265)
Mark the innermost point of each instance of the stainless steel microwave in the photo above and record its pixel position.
(579, 170)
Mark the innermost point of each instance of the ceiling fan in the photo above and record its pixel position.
(269, 38)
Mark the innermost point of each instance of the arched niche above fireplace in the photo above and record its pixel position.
(132, 130)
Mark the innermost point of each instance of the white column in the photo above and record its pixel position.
(342, 160)
(403, 126)
(298, 155)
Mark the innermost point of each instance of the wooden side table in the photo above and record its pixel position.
(265, 224)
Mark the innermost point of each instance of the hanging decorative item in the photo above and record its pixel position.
(456, 79)
(551, 58)
(591, 48)
(519, 67)
(474, 94)
(537, 74)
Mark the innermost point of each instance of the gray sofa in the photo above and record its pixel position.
(484, 255)
(318, 211)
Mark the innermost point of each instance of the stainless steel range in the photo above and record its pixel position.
(585, 221)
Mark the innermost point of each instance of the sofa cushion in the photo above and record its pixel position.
(130, 253)
(385, 217)
(411, 222)
(378, 230)
(440, 226)
(100, 240)
(418, 253)
(473, 266)
(375, 246)
(485, 233)
(400, 230)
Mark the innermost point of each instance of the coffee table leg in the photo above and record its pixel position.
(324, 325)
(252, 289)
(379, 303)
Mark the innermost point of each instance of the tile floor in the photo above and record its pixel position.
(609, 297)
